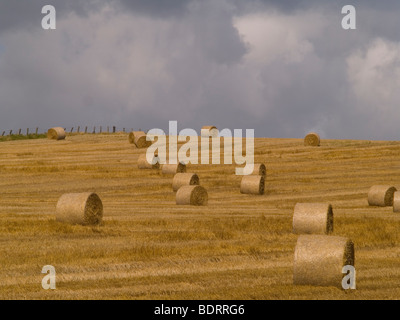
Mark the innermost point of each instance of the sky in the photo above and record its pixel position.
(282, 68)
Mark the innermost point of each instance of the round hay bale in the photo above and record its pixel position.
(132, 134)
(173, 168)
(252, 185)
(192, 195)
(140, 140)
(312, 139)
(313, 218)
(56, 133)
(207, 131)
(79, 208)
(143, 164)
(131, 137)
(396, 202)
(381, 195)
(319, 259)
(184, 179)
(260, 170)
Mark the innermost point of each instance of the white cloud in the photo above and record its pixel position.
(273, 36)
(374, 76)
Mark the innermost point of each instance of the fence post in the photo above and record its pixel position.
(78, 128)
(94, 129)
(101, 129)
(27, 131)
(108, 129)
(72, 129)
(113, 129)
(10, 132)
(3, 134)
(85, 129)
(37, 129)
(19, 132)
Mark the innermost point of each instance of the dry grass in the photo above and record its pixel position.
(238, 247)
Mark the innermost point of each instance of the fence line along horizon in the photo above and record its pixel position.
(77, 129)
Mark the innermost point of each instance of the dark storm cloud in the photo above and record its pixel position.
(28, 13)
(162, 8)
(293, 5)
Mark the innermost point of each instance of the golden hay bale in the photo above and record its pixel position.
(79, 208)
(144, 164)
(252, 185)
(56, 133)
(140, 140)
(192, 195)
(173, 168)
(207, 131)
(132, 134)
(312, 139)
(381, 195)
(184, 179)
(314, 218)
(396, 202)
(259, 170)
(319, 259)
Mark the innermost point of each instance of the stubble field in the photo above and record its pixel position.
(237, 247)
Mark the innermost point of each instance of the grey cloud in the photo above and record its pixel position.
(27, 14)
(159, 8)
(139, 64)
(295, 5)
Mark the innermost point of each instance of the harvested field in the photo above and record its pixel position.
(239, 246)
